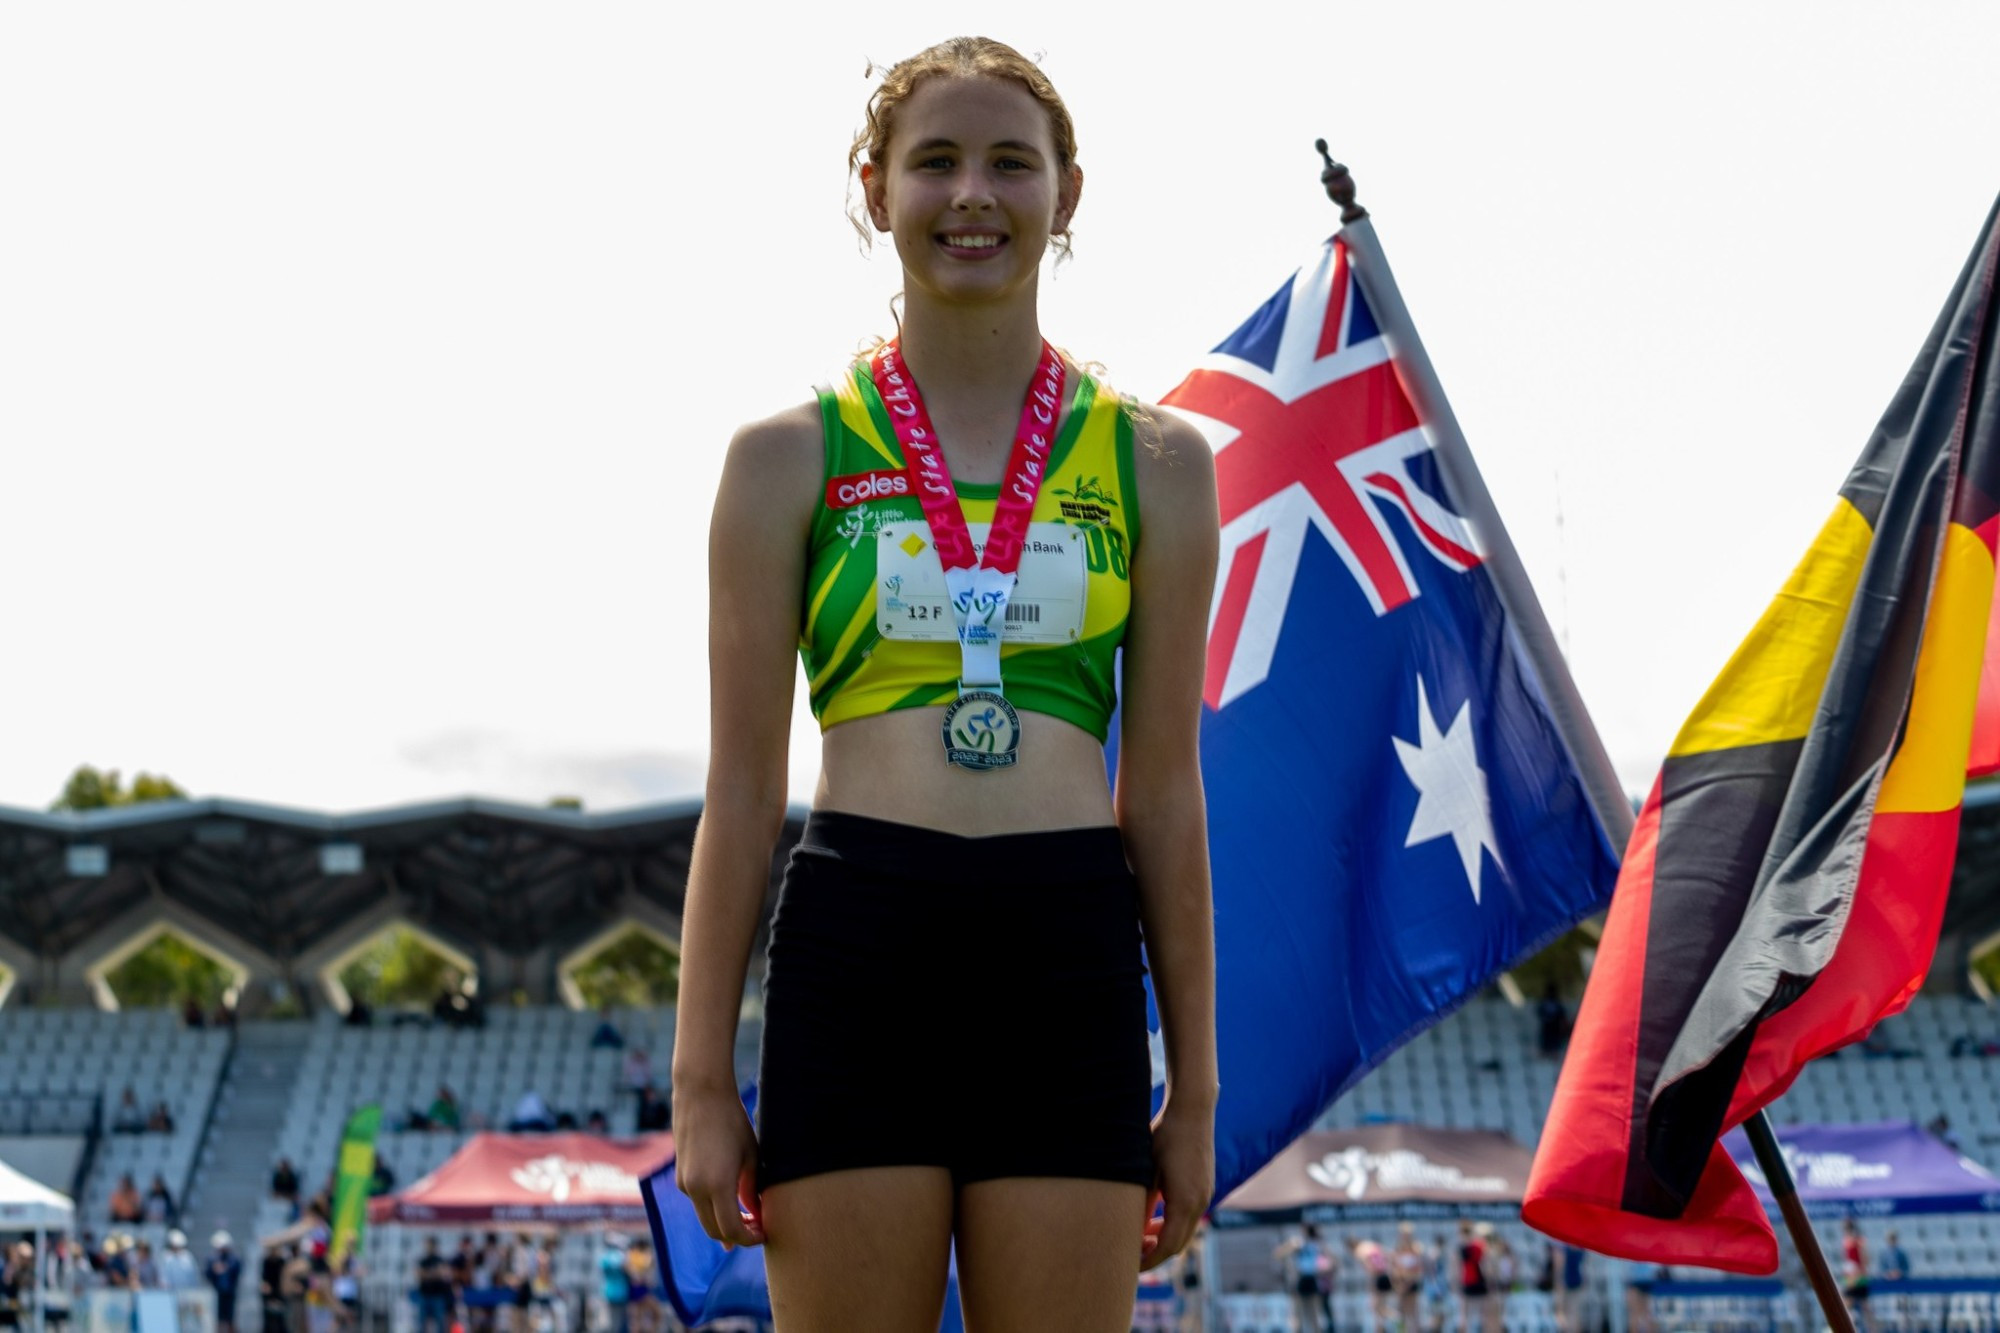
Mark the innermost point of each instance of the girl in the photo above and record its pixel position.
(954, 1045)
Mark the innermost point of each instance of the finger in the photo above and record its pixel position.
(1179, 1228)
(750, 1205)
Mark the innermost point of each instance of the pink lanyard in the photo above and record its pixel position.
(980, 588)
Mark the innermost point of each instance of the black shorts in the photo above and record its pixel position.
(971, 1003)
(1383, 1284)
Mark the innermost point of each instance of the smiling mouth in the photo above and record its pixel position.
(980, 244)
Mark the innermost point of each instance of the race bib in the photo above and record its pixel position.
(912, 605)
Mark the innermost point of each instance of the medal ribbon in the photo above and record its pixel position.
(980, 587)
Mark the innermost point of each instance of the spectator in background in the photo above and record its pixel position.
(295, 1282)
(225, 1015)
(642, 1297)
(1940, 1129)
(270, 1287)
(159, 1204)
(433, 1290)
(1568, 1293)
(128, 1118)
(1374, 1262)
(160, 1120)
(1551, 1021)
(127, 1204)
(443, 1112)
(1308, 1268)
(1895, 1262)
(654, 1112)
(606, 1037)
(596, 1123)
(1854, 1271)
(359, 1015)
(531, 1115)
(285, 1185)
(224, 1273)
(178, 1271)
(144, 1269)
(192, 1015)
(1407, 1269)
(1472, 1285)
(383, 1181)
(616, 1289)
(638, 1071)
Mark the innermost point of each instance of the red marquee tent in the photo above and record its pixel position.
(545, 1179)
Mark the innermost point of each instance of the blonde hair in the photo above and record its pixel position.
(963, 58)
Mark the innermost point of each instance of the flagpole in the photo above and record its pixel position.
(1778, 1175)
(1468, 490)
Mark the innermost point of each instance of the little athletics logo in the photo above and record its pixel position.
(558, 1176)
(1824, 1170)
(1353, 1171)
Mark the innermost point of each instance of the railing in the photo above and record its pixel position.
(208, 1121)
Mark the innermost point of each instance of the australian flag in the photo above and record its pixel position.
(1394, 816)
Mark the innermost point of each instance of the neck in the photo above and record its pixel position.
(974, 351)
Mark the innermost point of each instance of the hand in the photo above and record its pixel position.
(715, 1165)
(1183, 1176)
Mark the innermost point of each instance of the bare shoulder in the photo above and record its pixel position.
(787, 441)
(775, 463)
(1174, 466)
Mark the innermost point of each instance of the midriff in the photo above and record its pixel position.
(892, 766)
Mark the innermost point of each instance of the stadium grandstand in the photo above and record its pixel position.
(518, 898)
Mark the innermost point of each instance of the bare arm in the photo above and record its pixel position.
(756, 574)
(1160, 805)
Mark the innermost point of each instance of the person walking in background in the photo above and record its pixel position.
(433, 1290)
(1407, 1270)
(1854, 1272)
(1308, 1268)
(224, 1275)
(614, 1285)
(1472, 1285)
(1374, 1263)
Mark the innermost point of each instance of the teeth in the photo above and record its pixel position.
(972, 242)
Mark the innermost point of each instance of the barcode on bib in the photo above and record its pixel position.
(1024, 613)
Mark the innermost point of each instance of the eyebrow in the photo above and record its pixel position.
(1013, 145)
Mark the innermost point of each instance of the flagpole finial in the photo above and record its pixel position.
(1339, 185)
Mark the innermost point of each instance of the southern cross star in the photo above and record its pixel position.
(1451, 788)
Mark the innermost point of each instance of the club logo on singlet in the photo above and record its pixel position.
(861, 487)
(1086, 500)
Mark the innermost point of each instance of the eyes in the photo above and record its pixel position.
(942, 162)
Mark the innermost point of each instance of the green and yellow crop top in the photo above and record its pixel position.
(878, 635)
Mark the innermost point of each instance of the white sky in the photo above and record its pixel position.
(365, 369)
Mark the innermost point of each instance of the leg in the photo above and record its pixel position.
(1042, 1252)
(859, 1250)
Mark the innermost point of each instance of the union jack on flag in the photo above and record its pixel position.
(1308, 387)
(1393, 815)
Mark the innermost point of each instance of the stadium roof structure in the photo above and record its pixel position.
(284, 896)
(281, 895)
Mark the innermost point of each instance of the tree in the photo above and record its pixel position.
(1561, 962)
(399, 971)
(1987, 964)
(168, 972)
(91, 789)
(632, 971)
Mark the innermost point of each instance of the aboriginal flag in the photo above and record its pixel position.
(1783, 889)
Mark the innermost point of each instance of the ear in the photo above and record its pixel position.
(875, 191)
(1067, 196)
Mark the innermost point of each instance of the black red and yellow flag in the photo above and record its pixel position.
(1783, 888)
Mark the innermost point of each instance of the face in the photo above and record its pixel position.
(971, 189)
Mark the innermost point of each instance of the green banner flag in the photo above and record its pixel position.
(350, 1184)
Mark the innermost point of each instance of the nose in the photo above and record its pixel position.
(974, 193)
